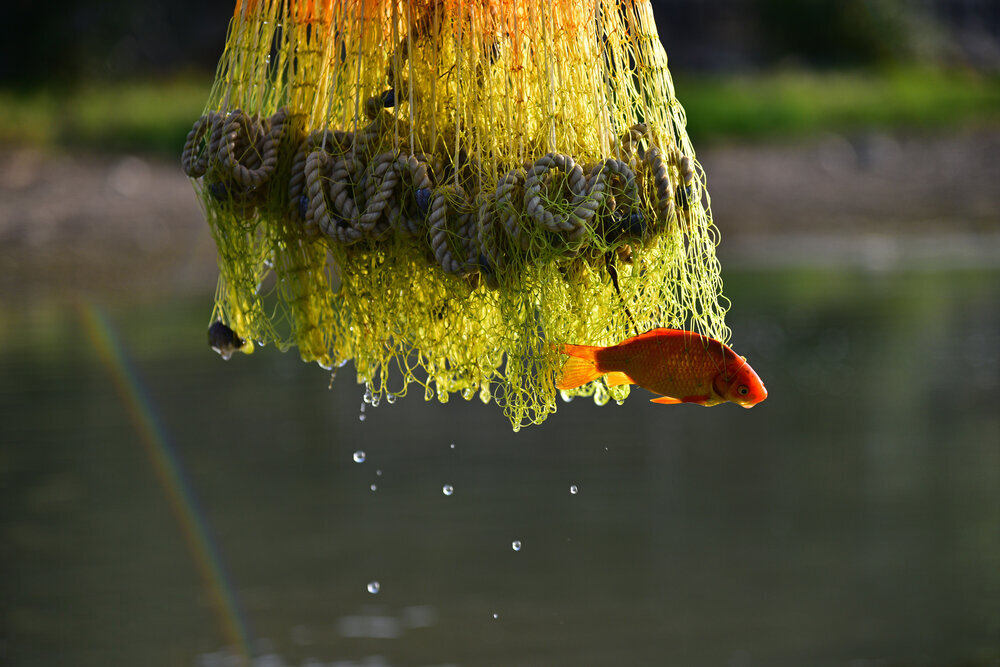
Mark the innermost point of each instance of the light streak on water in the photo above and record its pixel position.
(170, 473)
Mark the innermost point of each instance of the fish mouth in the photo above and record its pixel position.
(754, 400)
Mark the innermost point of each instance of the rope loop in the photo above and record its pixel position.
(574, 223)
(631, 138)
(196, 152)
(345, 175)
(336, 142)
(663, 187)
(450, 203)
(612, 183)
(509, 197)
(382, 209)
(248, 150)
(415, 184)
(329, 199)
(489, 235)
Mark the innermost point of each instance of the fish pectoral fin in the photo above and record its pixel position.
(701, 399)
(615, 378)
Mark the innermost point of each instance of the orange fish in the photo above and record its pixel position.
(684, 366)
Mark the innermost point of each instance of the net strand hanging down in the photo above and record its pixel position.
(439, 190)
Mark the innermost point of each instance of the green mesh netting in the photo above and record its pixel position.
(440, 189)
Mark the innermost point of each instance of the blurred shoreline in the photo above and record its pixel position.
(129, 224)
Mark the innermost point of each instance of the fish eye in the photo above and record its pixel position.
(743, 390)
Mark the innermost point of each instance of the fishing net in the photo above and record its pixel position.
(439, 190)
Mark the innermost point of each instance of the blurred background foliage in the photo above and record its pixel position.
(119, 75)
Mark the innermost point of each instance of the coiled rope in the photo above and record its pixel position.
(340, 188)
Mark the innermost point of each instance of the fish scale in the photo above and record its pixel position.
(697, 361)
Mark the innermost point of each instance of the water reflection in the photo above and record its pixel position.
(851, 517)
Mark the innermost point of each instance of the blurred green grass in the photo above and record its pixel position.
(154, 116)
(148, 116)
(800, 103)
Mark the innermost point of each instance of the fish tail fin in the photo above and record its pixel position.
(580, 368)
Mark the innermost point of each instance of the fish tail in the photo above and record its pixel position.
(580, 368)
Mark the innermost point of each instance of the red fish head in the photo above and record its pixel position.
(745, 388)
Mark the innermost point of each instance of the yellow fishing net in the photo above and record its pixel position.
(441, 189)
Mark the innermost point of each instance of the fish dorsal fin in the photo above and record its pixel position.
(615, 378)
(665, 400)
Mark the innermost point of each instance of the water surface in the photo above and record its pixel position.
(851, 519)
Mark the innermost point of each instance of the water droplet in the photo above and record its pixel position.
(447, 489)
(495, 616)
(376, 399)
(374, 587)
(574, 489)
(373, 487)
(390, 398)
(467, 393)
(361, 418)
(362, 407)
(359, 456)
(517, 428)
(516, 545)
(619, 401)
(452, 445)
(378, 473)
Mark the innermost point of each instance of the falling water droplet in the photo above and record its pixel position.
(378, 473)
(374, 587)
(362, 407)
(574, 489)
(495, 616)
(516, 545)
(361, 418)
(359, 456)
(447, 489)
(373, 487)
(452, 445)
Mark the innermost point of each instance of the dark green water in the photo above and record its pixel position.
(851, 519)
